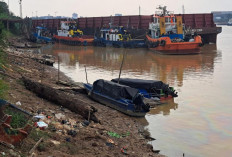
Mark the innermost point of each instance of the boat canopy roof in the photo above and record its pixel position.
(139, 83)
(114, 90)
(105, 30)
(39, 27)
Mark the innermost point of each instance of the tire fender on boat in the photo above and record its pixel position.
(202, 43)
(162, 43)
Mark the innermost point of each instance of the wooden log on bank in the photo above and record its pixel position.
(62, 98)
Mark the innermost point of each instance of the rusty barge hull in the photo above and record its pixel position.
(203, 24)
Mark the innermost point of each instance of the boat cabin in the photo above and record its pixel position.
(69, 29)
(115, 34)
(166, 24)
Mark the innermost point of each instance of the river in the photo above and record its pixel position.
(198, 122)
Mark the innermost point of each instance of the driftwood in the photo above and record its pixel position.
(35, 146)
(2, 73)
(39, 59)
(70, 84)
(62, 98)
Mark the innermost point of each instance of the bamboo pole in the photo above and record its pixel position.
(86, 75)
(121, 65)
(58, 68)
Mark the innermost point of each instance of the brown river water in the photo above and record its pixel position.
(198, 122)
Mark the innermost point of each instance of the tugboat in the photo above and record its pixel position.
(70, 35)
(41, 35)
(117, 37)
(167, 35)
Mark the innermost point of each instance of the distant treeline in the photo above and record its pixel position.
(5, 13)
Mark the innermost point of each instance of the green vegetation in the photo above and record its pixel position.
(19, 120)
(3, 89)
(36, 134)
(5, 13)
(3, 85)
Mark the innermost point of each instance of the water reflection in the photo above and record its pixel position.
(139, 62)
(173, 68)
(165, 108)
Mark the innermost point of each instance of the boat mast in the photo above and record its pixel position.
(20, 5)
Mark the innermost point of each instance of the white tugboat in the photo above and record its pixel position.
(71, 35)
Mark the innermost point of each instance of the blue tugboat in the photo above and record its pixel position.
(120, 97)
(41, 35)
(118, 37)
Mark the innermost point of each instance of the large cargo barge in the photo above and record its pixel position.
(138, 25)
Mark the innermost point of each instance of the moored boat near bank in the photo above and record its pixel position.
(167, 35)
(151, 89)
(41, 35)
(117, 37)
(120, 97)
(70, 35)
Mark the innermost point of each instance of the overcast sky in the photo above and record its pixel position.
(89, 8)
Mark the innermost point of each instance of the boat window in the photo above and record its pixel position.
(120, 36)
(166, 19)
(156, 20)
(157, 34)
(173, 19)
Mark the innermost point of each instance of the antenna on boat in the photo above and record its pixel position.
(163, 10)
(86, 75)
(183, 10)
(121, 65)
(58, 68)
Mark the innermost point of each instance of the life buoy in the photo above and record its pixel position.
(162, 43)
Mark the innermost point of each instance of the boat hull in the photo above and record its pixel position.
(112, 103)
(165, 46)
(76, 41)
(120, 44)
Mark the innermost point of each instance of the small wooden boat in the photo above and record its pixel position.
(70, 35)
(150, 89)
(169, 36)
(120, 97)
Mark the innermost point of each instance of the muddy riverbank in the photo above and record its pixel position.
(115, 135)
